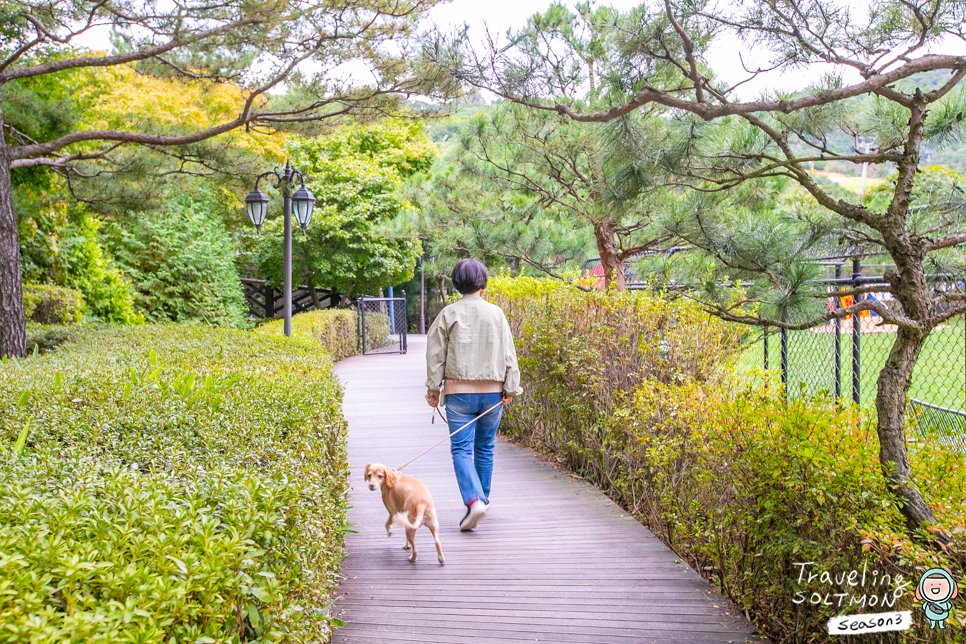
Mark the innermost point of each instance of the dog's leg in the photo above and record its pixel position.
(411, 541)
(439, 548)
(389, 526)
(405, 545)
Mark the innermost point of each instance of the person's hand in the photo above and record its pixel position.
(432, 397)
(507, 399)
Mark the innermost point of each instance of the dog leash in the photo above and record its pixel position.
(473, 420)
(438, 413)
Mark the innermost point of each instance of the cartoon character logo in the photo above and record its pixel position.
(936, 591)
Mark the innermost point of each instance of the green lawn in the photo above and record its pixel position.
(937, 380)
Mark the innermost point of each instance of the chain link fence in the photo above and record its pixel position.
(382, 325)
(842, 358)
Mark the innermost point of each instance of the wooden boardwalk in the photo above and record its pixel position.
(553, 561)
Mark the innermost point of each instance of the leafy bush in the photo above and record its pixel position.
(42, 338)
(577, 349)
(181, 261)
(170, 484)
(746, 488)
(107, 294)
(60, 244)
(335, 329)
(52, 304)
(377, 330)
(634, 393)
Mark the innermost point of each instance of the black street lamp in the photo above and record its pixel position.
(300, 204)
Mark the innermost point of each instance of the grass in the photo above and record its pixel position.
(938, 378)
(849, 182)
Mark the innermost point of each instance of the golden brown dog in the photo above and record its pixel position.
(409, 504)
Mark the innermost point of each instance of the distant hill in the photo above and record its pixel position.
(952, 155)
(443, 129)
(926, 81)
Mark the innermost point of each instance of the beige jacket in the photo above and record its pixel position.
(471, 340)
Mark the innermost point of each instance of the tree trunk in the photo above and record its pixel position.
(347, 299)
(12, 324)
(310, 279)
(911, 290)
(890, 405)
(609, 257)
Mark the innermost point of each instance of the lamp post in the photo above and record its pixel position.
(299, 204)
(422, 288)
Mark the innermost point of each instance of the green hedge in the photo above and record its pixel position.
(46, 304)
(170, 484)
(377, 330)
(635, 394)
(42, 338)
(335, 329)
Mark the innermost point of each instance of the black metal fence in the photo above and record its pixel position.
(842, 360)
(382, 324)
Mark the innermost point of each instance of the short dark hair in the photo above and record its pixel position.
(469, 276)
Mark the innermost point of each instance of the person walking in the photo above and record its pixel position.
(471, 364)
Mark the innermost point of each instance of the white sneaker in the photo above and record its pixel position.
(473, 515)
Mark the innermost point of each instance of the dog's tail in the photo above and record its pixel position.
(403, 520)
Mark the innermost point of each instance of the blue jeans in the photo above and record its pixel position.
(472, 448)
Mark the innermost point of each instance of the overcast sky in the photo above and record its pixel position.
(499, 15)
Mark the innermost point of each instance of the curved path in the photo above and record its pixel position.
(553, 561)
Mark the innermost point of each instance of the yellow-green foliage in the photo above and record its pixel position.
(335, 329)
(46, 304)
(170, 484)
(741, 485)
(579, 349)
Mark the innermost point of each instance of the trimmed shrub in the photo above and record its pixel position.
(43, 338)
(377, 330)
(46, 304)
(635, 394)
(171, 484)
(335, 329)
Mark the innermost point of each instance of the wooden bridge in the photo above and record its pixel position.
(264, 301)
(553, 561)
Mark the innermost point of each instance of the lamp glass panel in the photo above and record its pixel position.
(259, 210)
(257, 206)
(302, 205)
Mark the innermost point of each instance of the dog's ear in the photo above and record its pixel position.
(391, 476)
(365, 473)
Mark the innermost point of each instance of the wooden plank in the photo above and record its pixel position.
(458, 632)
(433, 638)
(554, 560)
(514, 615)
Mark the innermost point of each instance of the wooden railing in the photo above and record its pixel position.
(265, 301)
